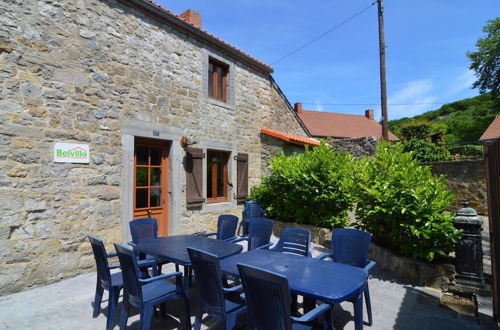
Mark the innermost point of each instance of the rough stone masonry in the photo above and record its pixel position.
(75, 71)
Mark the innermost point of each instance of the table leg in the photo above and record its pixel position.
(187, 275)
(358, 312)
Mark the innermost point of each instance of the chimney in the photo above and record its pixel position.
(369, 114)
(298, 107)
(192, 17)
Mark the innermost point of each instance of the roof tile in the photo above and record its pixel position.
(493, 131)
(339, 125)
(290, 137)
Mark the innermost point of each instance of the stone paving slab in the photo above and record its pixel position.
(67, 305)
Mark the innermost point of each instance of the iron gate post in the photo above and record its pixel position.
(469, 250)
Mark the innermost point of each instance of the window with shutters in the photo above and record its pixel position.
(217, 80)
(217, 176)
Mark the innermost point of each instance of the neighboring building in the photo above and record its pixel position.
(492, 132)
(126, 81)
(338, 125)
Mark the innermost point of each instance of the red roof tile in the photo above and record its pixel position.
(493, 131)
(269, 68)
(339, 125)
(290, 138)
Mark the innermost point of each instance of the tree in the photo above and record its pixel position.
(486, 60)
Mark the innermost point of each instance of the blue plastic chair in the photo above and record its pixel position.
(268, 299)
(259, 234)
(294, 241)
(219, 302)
(252, 210)
(351, 246)
(143, 230)
(105, 280)
(226, 227)
(144, 294)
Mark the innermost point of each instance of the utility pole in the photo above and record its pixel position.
(383, 87)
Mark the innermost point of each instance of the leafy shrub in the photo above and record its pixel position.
(465, 150)
(416, 130)
(425, 151)
(310, 188)
(402, 204)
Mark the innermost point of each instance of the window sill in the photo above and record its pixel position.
(227, 105)
(220, 206)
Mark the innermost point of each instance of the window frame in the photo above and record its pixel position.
(226, 155)
(214, 79)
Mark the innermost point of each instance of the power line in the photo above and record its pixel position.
(371, 103)
(323, 34)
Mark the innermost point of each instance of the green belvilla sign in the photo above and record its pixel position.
(71, 153)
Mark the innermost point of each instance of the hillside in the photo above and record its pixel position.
(464, 120)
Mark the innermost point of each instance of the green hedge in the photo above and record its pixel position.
(403, 204)
(310, 188)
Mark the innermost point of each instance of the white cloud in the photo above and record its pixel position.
(463, 82)
(318, 106)
(412, 99)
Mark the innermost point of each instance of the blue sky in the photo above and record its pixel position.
(426, 45)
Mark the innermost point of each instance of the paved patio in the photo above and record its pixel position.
(67, 305)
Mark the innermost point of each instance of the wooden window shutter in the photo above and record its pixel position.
(193, 164)
(242, 174)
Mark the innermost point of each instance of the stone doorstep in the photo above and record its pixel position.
(466, 305)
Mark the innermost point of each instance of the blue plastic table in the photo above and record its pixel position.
(174, 249)
(327, 281)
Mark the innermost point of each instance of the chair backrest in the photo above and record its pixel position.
(259, 232)
(294, 241)
(130, 274)
(101, 261)
(268, 298)
(351, 246)
(252, 210)
(226, 226)
(208, 281)
(144, 229)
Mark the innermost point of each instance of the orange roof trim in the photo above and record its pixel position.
(493, 131)
(290, 138)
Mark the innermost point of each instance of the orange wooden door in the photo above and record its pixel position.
(151, 181)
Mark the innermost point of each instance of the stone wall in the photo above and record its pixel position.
(75, 71)
(467, 178)
(271, 147)
(359, 147)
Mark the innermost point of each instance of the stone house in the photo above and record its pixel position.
(161, 117)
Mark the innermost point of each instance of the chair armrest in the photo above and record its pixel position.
(265, 246)
(324, 256)
(369, 266)
(131, 243)
(113, 266)
(243, 297)
(311, 315)
(159, 277)
(142, 263)
(239, 239)
(209, 234)
(111, 255)
(230, 239)
(233, 289)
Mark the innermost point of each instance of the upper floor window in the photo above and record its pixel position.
(217, 80)
(217, 176)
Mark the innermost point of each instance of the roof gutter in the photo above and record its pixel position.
(172, 20)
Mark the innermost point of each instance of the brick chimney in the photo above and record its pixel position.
(369, 114)
(298, 107)
(192, 17)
